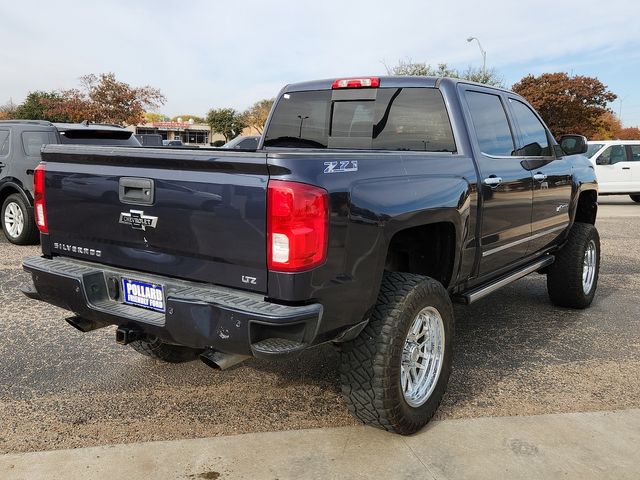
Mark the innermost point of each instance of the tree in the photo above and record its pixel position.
(225, 121)
(567, 104)
(8, 110)
(607, 126)
(112, 101)
(38, 106)
(152, 117)
(629, 133)
(409, 68)
(256, 115)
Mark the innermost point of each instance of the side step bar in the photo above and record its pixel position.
(481, 292)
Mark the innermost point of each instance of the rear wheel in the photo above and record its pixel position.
(18, 222)
(573, 278)
(156, 348)
(395, 372)
(635, 198)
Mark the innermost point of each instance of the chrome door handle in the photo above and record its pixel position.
(539, 177)
(493, 181)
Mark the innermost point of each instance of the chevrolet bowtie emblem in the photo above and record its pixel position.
(138, 220)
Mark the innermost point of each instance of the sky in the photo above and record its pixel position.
(213, 54)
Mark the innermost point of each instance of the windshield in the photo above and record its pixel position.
(412, 119)
(592, 148)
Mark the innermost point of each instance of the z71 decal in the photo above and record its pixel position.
(341, 166)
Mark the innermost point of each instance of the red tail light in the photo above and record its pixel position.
(297, 226)
(38, 199)
(365, 82)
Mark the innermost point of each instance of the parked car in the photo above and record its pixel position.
(172, 143)
(246, 142)
(150, 139)
(617, 164)
(20, 144)
(369, 206)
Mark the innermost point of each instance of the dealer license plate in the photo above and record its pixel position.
(143, 294)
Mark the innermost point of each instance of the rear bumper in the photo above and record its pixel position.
(197, 315)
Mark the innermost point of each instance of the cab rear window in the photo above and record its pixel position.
(409, 119)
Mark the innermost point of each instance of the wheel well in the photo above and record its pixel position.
(587, 208)
(424, 250)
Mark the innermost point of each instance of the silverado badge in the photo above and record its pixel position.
(138, 220)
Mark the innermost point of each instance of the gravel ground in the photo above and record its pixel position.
(515, 355)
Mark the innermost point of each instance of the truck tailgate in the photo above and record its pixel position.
(197, 215)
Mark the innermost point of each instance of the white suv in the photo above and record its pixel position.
(617, 164)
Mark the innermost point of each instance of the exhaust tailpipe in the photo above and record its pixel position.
(220, 360)
(84, 325)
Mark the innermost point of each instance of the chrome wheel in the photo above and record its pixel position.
(13, 220)
(422, 357)
(589, 267)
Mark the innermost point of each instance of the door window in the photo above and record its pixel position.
(4, 143)
(33, 141)
(635, 153)
(534, 141)
(490, 124)
(614, 154)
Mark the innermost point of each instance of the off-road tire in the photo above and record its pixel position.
(370, 364)
(155, 348)
(635, 198)
(564, 276)
(30, 234)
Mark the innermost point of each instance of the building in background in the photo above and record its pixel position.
(191, 133)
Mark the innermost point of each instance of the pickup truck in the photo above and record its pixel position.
(368, 207)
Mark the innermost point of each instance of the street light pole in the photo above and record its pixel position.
(484, 55)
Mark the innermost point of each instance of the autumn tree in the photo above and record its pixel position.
(407, 67)
(629, 133)
(567, 104)
(39, 106)
(153, 117)
(226, 121)
(8, 110)
(256, 115)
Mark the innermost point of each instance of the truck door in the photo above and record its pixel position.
(505, 185)
(614, 170)
(634, 163)
(551, 176)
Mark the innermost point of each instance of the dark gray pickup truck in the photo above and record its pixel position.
(369, 205)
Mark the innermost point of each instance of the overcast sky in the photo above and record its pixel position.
(204, 54)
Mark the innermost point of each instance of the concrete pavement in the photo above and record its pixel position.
(598, 445)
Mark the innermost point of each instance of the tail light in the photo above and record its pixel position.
(297, 226)
(365, 82)
(38, 197)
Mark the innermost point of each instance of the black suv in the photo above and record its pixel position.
(20, 144)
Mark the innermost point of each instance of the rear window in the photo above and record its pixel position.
(410, 119)
(4, 143)
(99, 137)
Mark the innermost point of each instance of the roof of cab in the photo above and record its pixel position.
(389, 81)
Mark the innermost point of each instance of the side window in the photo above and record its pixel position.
(635, 153)
(33, 141)
(535, 142)
(4, 143)
(614, 154)
(490, 124)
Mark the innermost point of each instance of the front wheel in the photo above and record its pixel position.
(394, 374)
(635, 198)
(18, 222)
(573, 278)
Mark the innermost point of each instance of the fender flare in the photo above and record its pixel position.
(15, 185)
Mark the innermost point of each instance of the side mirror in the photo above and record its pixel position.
(602, 160)
(573, 144)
